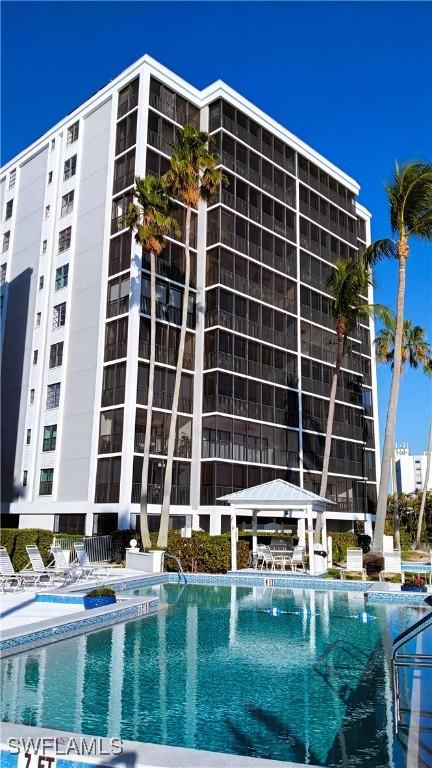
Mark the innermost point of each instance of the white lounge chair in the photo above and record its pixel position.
(37, 566)
(354, 563)
(71, 571)
(89, 568)
(10, 577)
(392, 566)
(297, 559)
(264, 558)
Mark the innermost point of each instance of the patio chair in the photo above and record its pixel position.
(392, 566)
(281, 561)
(37, 566)
(91, 569)
(9, 576)
(265, 558)
(354, 564)
(297, 559)
(61, 566)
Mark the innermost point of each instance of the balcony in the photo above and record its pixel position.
(124, 181)
(113, 396)
(125, 142)
(110, 443)
(107, 492)
(253, 454)
(168, 109)
(253, 368)
(115, 351)
(126, 106)
(159, 446)
(163, 400)
(166, 312)
(118, 306)
(179, 494)
(166, 355)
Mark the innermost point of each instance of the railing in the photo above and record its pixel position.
(126, 106)
(125, 142)
(123, 181)
(107, 492)
(177, 560)
(118, 306)
(113, 396)
(163, 400)
(179, 494)
(116, 350)
(110, 443)
(166, 355)
(417, 660)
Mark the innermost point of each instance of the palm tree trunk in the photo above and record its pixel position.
(377, 545)
(329, 432)
(396, 516)
(145, 535)
(425, 490)
(164, 519)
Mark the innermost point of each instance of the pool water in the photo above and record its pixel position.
(274, 673)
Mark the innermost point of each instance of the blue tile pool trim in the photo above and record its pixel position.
(78, 626)
(7, 759)
(44, 597)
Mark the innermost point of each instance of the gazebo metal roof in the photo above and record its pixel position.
(274, 492)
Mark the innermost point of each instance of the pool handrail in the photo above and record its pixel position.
(178, 561)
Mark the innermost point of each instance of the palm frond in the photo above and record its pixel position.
(410, 197)
(379, 250)
(415, 348)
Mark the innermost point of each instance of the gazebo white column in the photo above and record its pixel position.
(233, 539)
(254, 531)
(310, 540)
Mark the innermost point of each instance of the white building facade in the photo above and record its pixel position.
(260, 343)
(410, 470)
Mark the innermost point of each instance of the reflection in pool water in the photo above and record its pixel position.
(219, 669)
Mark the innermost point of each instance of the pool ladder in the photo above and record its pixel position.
(177, 560)
(404, 660)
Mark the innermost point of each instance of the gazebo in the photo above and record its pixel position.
(284, 498)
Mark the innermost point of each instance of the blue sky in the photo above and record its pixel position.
(354, 80)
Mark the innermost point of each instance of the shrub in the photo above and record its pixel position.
(374, 563)
(101, 592)
(341, 542)
(16, 539)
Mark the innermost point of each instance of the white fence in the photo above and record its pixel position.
(98, 548)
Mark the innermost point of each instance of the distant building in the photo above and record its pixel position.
(410, 470)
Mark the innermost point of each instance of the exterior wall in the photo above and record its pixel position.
(97, 471)
(86, 288)
(410, 471)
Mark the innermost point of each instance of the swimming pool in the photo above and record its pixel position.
(269, 672)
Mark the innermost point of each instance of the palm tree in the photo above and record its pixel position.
(425, 490)
(415, 351)
(410, 198)
(347, 283)
(193, 175)
(152, 222)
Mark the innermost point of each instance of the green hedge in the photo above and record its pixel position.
(16, 539)
(201, 553)
(341, 542)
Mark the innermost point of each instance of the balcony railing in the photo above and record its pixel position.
(167, 108)
(159, 446)
(163, 400)
(115, 351)
(253, 454)
(118, 306)
(107, 492)
(126, 106)
(124, 181)
(113, 396)
(249, 367)
(166, 312)
(110, 443)
(166, 355)
(125, 142)
(179, 494)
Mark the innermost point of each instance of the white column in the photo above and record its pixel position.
(301, 531)
(310, 541)
(233, 539)
(368, 525)
(254, 531)
(324, 531)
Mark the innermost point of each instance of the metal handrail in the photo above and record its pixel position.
(419, 660)
(180, 567)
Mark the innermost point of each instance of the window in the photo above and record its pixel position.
(46, 482)
(72, 133)
(53, 395)
(32, 394)
(12, 178)
(24, 480)
(50, 177)
(52, 144)
(67, 203)
(128, 98)
(3, 273)
(9, 209)
(56, 355)
(64, 239)
(38, 319)
(49, 438)
(35, 356)
(44, 246)
(61, 276)
(59, 315)
(28, 437)
(41, 282)
(70, 168)
(6, 241)
(47, 211)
